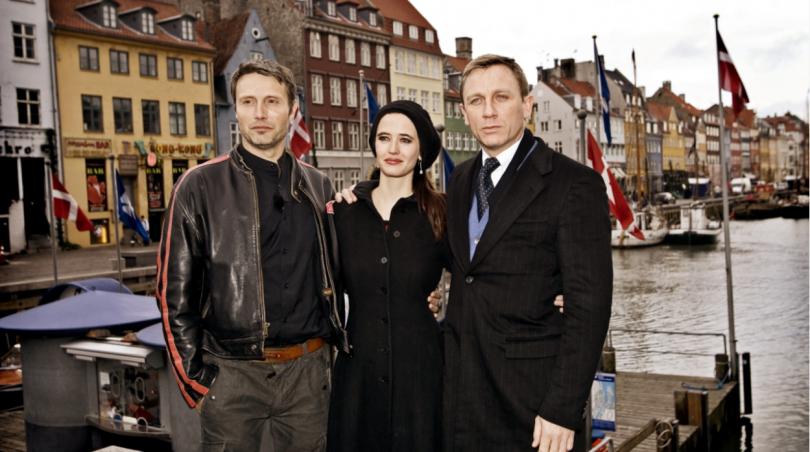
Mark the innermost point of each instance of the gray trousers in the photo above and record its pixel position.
(292, 396)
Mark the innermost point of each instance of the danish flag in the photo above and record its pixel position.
(300, 142)
(618, 205)
(730, 80)
(64, 206)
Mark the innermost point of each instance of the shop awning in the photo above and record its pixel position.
(618, 173)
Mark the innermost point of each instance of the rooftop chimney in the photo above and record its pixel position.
(682, 96)
(539, 73)
(556, 63)
(668, 85)
(464, 48)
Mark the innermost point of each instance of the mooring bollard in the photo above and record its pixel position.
(676, 435)
(746, 370)
(721, 366)
(609, 360)
(704, 421)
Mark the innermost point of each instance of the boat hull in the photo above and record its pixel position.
(693, 237)
(622, 239)
(795, 212)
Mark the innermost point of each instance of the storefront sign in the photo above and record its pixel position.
(178, 168)
(154, 186)
(177, 150)
(96, 185)
(151, 159)
(86, 147)
(22, 143)
(128, 165)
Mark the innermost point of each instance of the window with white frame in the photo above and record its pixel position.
(109, 16)
(473, 143)
(558, 125)
(380, 56)
(448, 142)
(339, 181)
(337, 135)
(354, 136)
(382, 94)
(398, 28)
(429, 36)
(423, 69)
(319, 137)
(256, 56)
(546, 106)
(330, 8)
(334, 91)
(354, 176)
(457, 109)
(437, 103)
(334, 48)
(317, 89)
(398, 63)
(446, 82)
(372, 18)
(411, 63)
(412, 95)
(466, 145)
(351, 93)
(24, 42)
(458, 141)
(88, 58)
(236, 137)
(448, 108)
(353, 14)
(425, 103)
(400, 93)
(187, 30)
(28, 106)
(413, 32)
(351, 56)
(314, 44)
(147, 23)
(434, 66)
(558, 146)
(544, 126)
(365, 54)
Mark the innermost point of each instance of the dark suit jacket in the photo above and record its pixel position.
(509, 354)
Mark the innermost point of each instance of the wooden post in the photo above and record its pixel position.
(682, 407)
(704, 420)
(746, 370)
(676, 435)
(609, 360)
(720, 366)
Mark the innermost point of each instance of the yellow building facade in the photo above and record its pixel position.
(673, 146)
(156, 125)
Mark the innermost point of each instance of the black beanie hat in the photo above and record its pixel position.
(430, 143)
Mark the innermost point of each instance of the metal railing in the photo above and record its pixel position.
(678, 333)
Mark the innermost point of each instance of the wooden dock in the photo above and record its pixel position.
(642, 400)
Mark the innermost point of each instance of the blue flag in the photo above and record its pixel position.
(127, 213)
(373, 106)
(604, 91)
(449, 166)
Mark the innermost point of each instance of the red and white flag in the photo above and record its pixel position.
(300, 142)
(64, 206)
(618, 205)
(730, 80)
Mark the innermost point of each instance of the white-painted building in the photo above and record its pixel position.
(27, 129)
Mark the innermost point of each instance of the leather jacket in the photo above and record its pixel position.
(209, 273)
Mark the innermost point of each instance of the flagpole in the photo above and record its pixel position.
(114, 174)
(49, 175)
(598, 86)
(732, 338)
(362, 127)
(638, 144)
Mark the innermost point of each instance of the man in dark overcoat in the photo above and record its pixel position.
(524, 223)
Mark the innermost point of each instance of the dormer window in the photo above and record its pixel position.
(330, 8)
(372, 19)
(398, 28)
(147, 23)
(353, 14)
(429, 36)
(413, 32)
(109, 14)
(187, 29)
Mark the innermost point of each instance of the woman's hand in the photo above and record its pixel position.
(346, 194)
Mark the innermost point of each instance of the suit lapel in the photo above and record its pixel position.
(458, 211)
(522, 190)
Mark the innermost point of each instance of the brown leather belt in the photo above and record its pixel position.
(281, 354)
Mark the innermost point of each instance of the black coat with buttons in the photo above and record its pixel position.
(387, 396)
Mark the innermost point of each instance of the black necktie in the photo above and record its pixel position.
(485, 185)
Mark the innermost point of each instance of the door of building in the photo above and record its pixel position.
(35, 207)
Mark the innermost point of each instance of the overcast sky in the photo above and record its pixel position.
(674, 40)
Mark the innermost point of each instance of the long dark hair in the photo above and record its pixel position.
(431, 204)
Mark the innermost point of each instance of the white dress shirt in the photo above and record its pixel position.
(505, 158)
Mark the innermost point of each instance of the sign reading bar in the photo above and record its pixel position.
(86, 147)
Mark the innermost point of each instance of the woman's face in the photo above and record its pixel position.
(397, 145)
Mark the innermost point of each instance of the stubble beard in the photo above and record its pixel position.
(264, 145)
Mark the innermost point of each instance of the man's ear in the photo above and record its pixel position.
(528, 104)
(464, 113)
(293, 108)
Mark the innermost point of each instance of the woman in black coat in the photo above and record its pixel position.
(387, 396)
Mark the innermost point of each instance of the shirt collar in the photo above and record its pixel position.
(505, 157)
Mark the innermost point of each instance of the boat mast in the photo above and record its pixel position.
(636, 126)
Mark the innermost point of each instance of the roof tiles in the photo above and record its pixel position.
(225, 36)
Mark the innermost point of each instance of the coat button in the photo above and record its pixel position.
(384, 320)
(396, 234)
(384, 379)
(253, 347)
(477, 239)
(384, 350)
(384, 290)
(469, 280)
(384, 260)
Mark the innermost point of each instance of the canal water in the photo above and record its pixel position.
(678, 288)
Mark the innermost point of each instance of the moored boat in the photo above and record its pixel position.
(696, 228)
(797, 208)
(651, 225)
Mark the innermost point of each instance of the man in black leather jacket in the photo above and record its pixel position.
(244, 280)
